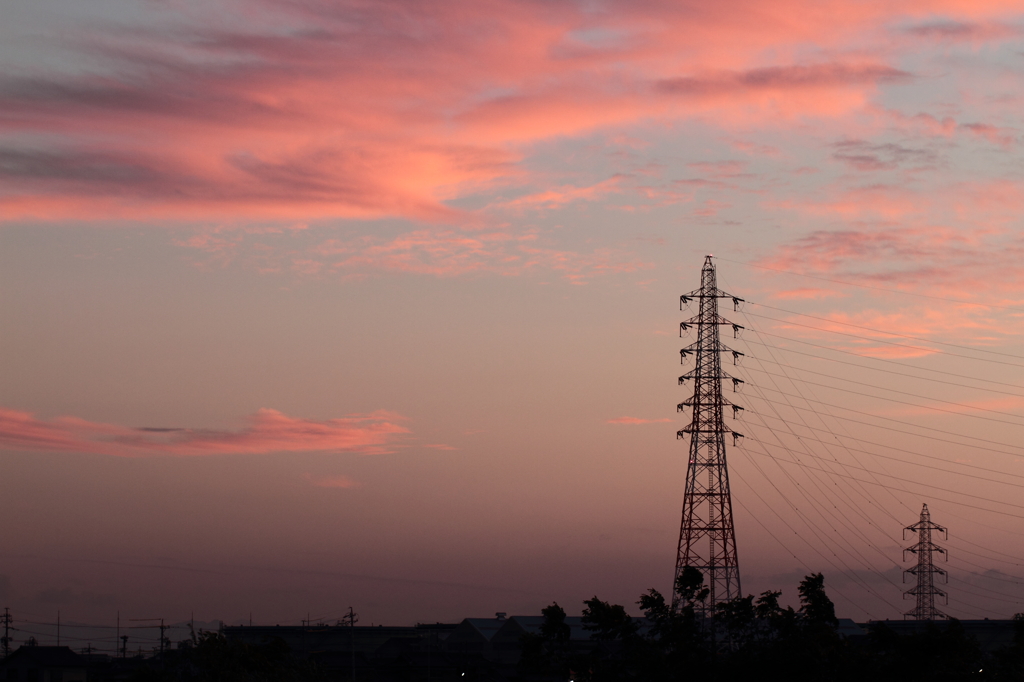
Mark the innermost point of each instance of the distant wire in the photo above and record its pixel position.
(839, 520)
(886, 371)
(827, 462)
(888, 343)
(903, 480)
(1016, 580)
(854, 507)
(923, 407)
(814, 530)
(906, 423)
(868, 286)
(881, 331)
(1015, 558)
(894, 390)
(821, 418)
(876, 359)
(1015, 598)
(841, 419)
(863, 491)
(911, 452)
(888, 488)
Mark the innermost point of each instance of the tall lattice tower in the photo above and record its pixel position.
(707, 538)
(925, 590)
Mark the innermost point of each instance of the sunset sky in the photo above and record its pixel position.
(307, 303)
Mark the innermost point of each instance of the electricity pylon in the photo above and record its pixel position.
(925, 590)
(707, 538)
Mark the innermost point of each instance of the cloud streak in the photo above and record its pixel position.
(267, 431)
(635, 421)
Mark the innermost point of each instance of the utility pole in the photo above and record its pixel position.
(351, 617)
(6, 641)
(58, 628)
(925, 590)
(707, 537)
(124, 646)
(150, 620)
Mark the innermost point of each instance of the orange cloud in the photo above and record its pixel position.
(268, 431)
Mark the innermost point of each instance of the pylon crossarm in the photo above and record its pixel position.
(696, 294)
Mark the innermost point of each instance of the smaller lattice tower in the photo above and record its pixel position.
(925, 571)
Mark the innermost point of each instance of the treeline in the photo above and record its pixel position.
(748, 638)
(751, 638)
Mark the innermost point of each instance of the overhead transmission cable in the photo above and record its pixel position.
(924, 407)
(839, 520)
(868, 286)
(882, 331)
(902, 364)
(889, 343)
(877, 359)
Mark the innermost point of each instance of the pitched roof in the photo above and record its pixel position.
(45, 657)
(531, 624)
(476, 629)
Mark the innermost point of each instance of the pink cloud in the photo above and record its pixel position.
(957, 31)
(1004, 137)
(438, 252)
(947, 238)
(361, 110)
(559, 196)
(212, 119)
(636, 420)
(267, 431)
(333, 482)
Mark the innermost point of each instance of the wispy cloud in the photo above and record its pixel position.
(204, 118)
(949, 30)
(633, 421)
(439, 252)
(267, 431)
(332, 481)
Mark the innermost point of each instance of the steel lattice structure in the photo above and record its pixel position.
(707, 538)
(925, 590)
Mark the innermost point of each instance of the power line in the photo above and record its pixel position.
(822, 510)
(871, 357)
(833, 467)
(888, 343)
(904, 402)
(894, 390)
(881, 331)
(868, 286)
(906, 423)
(903, 461)
(825, 424)
(886, 371)
(903, 480)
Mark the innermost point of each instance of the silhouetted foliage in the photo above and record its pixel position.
(750, 638)
(816, 607)
(211, 657)
(746, 638)
(547, 653)
(935, 652)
